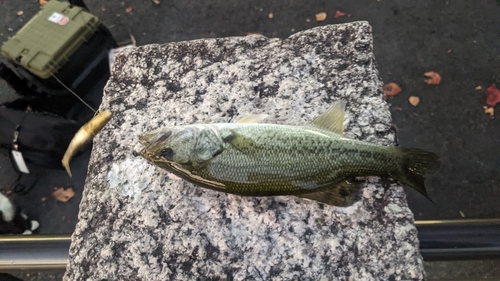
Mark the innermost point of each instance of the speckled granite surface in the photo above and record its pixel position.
(138, 222)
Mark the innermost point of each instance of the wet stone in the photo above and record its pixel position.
(138, 222)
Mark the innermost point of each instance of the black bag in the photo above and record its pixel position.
(41, 137)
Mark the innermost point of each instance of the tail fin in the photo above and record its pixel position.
(417, 164)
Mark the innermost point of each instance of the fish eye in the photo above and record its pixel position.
(167, 153)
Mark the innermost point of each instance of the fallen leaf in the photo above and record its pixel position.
(308, 20)
(132, 39)
(492, 95)
(349, 15)
(63, 195)
(391, 89)
(8, 192)
(128, 10)
(339, 14)
(449, 51)
(432, 78)
(479, 88)
(321, 16)
(20, 13)
(489, 110)
(414, 100)
(271, 15)
(103, 8)
(157, 2)
(42, 2)
(43, 199)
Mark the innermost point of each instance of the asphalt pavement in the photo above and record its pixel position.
(457, 39)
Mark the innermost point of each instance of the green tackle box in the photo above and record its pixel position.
(47, 41)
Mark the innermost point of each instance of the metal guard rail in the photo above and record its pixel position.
(439, 240)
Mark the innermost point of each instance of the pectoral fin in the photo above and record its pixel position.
(342, 194)
(241, 143)
(331, 120)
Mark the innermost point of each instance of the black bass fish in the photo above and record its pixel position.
(312, 161)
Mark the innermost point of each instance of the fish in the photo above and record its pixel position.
(314, 161)
(84, 135)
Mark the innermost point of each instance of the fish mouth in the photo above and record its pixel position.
(146, 152)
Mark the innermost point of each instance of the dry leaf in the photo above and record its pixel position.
(128, 10)
(489, 110)
(308, 20)
(20, 13)
(42, 2)
(157, 2)
(479, 88)
(339, 14)
(414, 100)
(492, 95)
(432, 78)
(63, 195)
(103, 8)
(43, 199)
(391, 89)
(321, 16)
(271, 15)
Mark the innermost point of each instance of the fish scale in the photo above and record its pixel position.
(288, 158)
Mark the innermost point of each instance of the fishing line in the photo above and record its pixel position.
(71, 91)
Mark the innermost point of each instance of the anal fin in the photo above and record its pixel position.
(342, 194)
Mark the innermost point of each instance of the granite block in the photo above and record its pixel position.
(139, 222)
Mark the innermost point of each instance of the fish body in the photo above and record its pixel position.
(84, 135)
(253, 159)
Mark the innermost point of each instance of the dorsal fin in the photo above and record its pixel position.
(254, 118)
(332, 120)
